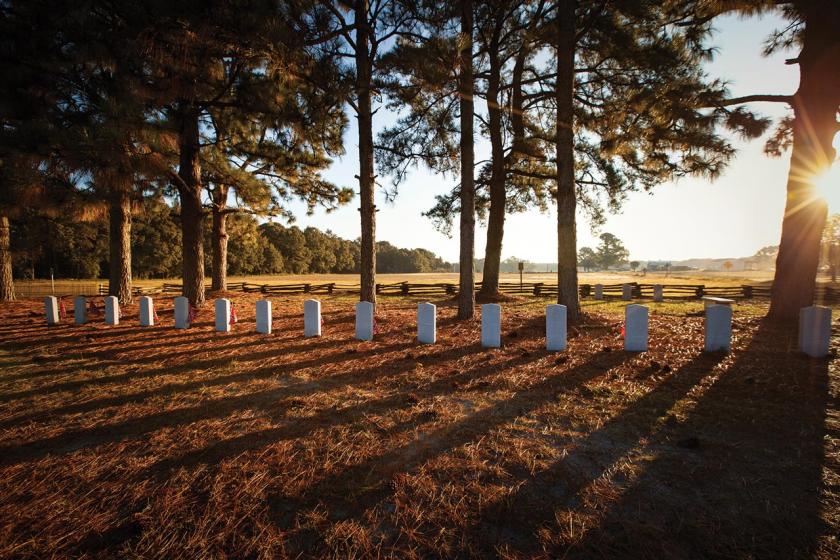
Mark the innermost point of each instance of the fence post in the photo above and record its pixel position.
(404, 289)
(699, 292)
(748, 291)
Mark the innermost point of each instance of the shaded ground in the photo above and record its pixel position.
(130, 442)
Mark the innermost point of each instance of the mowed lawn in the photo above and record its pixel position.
(130, 442)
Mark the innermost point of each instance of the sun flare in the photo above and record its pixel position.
(827, 184)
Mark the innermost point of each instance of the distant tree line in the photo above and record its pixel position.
(71, 248)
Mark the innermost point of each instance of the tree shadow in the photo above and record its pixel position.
(72, 440)
(749, 484)
(332, 417)
(373, 477)
(274, 352)
(514, 522)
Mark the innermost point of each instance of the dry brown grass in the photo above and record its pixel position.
(155, 443)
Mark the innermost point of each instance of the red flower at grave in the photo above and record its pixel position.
(62, 311)
(233, 318)
(192, 316)
(154, 314)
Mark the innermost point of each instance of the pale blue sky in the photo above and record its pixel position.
(731, 217)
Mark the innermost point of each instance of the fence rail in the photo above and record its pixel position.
(824, 293)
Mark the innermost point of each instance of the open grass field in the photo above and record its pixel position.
(122, 442)
(34, 288)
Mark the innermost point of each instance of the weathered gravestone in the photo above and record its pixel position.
(636, 328)
(364, 320)
(263, 316)
(311, 318)
(147, 312)
(599, 291)
(555, 327)
(182, 312)
(658, 290)
(51, 310)
(626, 292)
(815, 331)
(718, 329)
(222, 306)
(80, 310)
(491, 325)
(112, 310)
(426, 323)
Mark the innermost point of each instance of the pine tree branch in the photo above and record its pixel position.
(768, 98)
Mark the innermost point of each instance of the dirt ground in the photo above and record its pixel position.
(130, 442)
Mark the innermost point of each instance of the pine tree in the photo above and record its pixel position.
(374, 26)
(809, 133)
(267, 161)
(466, 273)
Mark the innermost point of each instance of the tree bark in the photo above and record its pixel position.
(498, 197)
(220, 238)
(466, 276)
(119, 234)
(366, 177)
(567, 278)
(192, 223)
(7, 285)
(815, 124)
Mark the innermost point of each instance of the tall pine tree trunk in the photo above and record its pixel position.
(567, 278)
(7, 285)
(192, 223)
(220, 238)
(815, 125)
(119, 234)
(466, 290)
(366, 178)
(498, 198)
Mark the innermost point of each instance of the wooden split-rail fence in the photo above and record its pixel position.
(825, 293)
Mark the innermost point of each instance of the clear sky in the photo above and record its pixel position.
(732, 217)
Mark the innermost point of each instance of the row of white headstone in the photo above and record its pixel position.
(814, 322)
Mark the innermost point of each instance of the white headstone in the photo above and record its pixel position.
(555, 327)
(80, 310)
(626, 292)
(182, 312)
(491, 325)
(264, 316)
(718, 328)
(426, 323)
(599, 291)
(636, 328)
(222, 315)
(112, 310)
(311, 318)
(147, 312)
(815, 331)
(658, 290)
(364, 320)
(51, 309)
